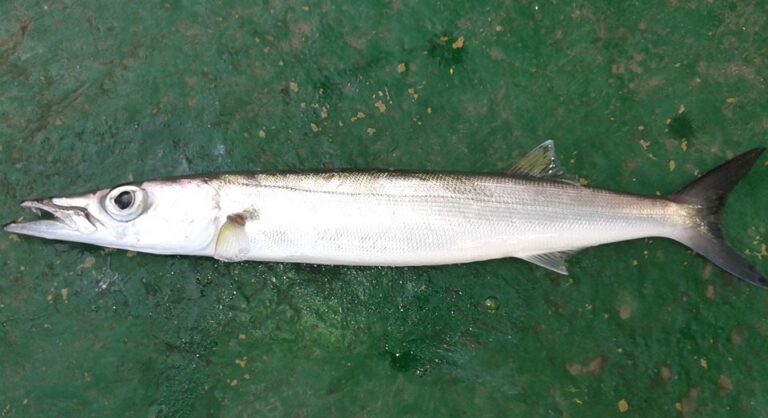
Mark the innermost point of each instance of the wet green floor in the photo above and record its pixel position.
(639, 96)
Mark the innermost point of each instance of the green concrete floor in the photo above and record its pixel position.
(640, 97)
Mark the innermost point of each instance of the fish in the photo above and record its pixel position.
(533, 211)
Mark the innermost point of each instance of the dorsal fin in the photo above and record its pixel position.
(541, 162)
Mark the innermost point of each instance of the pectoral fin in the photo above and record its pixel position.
(232, 243)
(552, 261)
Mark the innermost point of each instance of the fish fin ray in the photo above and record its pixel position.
(706, 196)
(232, 243)
(555, 261)
(541, 162)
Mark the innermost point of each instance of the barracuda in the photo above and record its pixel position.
(383, 218)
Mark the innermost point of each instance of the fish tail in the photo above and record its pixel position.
(706, 197)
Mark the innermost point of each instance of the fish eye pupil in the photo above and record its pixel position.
(124, 200)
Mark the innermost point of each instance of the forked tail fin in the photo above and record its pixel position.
(706, 196)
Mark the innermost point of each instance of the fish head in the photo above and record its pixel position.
(164, 217)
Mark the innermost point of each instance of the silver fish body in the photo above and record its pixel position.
(410, 219)
(394, 218)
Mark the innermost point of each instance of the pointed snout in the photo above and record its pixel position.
(67, 219)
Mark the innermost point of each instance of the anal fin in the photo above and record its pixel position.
(555, 261)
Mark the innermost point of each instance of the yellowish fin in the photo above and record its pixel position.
(232, 244)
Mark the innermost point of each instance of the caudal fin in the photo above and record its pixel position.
(707, 196)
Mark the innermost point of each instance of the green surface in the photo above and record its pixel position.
(96, 93)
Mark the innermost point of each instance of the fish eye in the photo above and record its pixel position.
(125, 203)
(124, 200)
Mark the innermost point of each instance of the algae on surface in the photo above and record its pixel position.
(639, 97)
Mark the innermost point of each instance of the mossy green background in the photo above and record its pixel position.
(640, 96)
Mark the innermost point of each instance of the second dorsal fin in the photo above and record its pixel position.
(541, 162)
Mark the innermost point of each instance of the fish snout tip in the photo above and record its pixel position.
(11, 227)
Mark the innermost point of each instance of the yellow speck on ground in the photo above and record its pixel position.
(14, 237)
(763, 252)
(731, 100)
(371, 131)
(634, 262)
(665, 373)
(710, 292)
(401, 68)
(241, 337)
(358, 116)
(645, 144)
(429, 110)
(293, 86)
(89, 261)
(595, 366)
(64, 294)
(689, 402)
(671, 165)
(459, 43)
(242, 362)
(314, 127)
(499, 28)
(684, 145)
(641, 128)
(583, 181)
(324, 112)
(724, 384)
(414, 95)
(625, 311)
(623, 406)
(232, 382)
(381, 106)
(49, 298)
(681, 109)
(131, 254)
(262, 134)
(703, 363)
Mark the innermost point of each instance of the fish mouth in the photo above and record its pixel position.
(64, 221)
